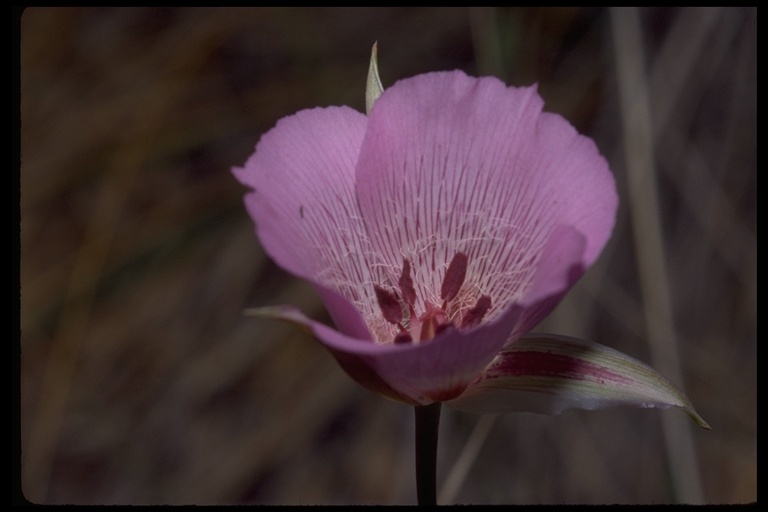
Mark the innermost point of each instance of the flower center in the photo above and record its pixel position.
(399, 309)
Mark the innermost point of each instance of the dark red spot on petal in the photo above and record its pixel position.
(454, 277)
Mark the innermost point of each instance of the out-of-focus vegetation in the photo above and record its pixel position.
(143, 383)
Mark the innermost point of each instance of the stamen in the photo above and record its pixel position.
(454, 278)
(403, 337)
(442, 327)
(398, 307)
(390, 305)
(406, 284)
(473, 317)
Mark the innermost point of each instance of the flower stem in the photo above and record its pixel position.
(427, 426)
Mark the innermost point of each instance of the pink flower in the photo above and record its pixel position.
(438, 231)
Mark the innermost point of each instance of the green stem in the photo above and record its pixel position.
(427, 426)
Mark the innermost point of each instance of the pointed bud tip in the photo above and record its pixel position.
(698, 419)
(373, 87)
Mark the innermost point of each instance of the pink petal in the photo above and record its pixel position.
(304, 206)
(454, 164)
(446, 165)
(560, 266)
(548, 374)
(423, 373)
(441, 368)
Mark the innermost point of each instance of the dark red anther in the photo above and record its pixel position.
(454, 277)
(442, 327)
(406, 284)
(403, 337)
(473, 317)
(389, 304)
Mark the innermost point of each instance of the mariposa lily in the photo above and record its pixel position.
(438, 230)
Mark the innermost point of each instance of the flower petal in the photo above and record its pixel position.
(560, 266)
(452, 164)
(420, 374)
(304, 206)
(549, 374)
(441, 368)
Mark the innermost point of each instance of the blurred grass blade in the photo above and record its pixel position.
(548, 374)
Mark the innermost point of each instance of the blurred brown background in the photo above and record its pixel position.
(143, 383)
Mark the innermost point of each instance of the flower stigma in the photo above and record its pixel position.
(399, 309)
